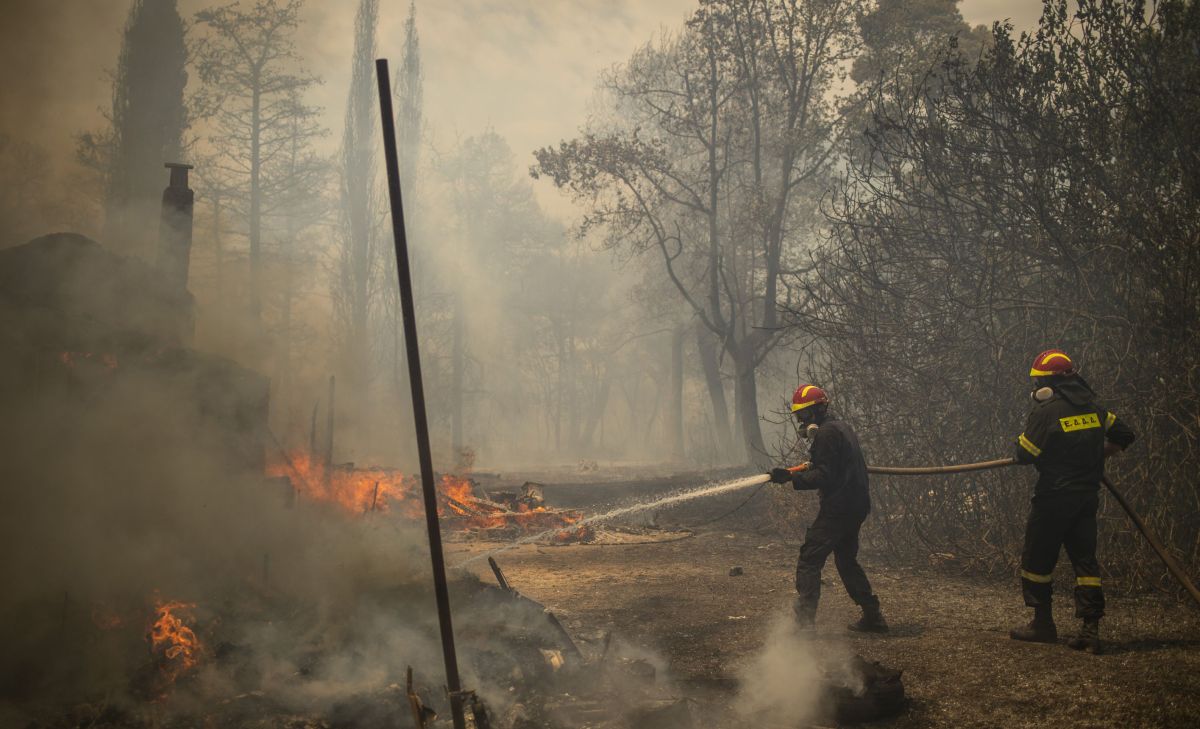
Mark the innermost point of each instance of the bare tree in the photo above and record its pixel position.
(254, 84)
(302, 176)
(724, 135)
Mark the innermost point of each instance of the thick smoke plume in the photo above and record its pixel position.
(133, 475)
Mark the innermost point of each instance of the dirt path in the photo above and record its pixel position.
(949, 635)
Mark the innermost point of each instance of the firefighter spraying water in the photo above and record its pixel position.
(839, 473)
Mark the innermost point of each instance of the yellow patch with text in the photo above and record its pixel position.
(1079, 422)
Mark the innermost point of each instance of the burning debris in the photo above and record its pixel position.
(173, 644)
(269, 660)
(467, 512)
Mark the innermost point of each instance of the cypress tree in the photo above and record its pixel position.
(148, 118)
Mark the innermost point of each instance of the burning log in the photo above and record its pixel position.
(463, 508)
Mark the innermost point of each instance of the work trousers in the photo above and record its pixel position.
(1057, 520)
(838, 535)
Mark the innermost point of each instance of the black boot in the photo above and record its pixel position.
(1040, 630)
(1088, 638)
(871, 621)
(806, 614)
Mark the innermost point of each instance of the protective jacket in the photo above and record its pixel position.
(1064, 439)
(838, 471)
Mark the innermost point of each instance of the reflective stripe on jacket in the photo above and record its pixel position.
(1065, 442)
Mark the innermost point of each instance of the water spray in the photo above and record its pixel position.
(749, 481)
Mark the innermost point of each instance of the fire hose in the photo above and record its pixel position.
(1168, 561)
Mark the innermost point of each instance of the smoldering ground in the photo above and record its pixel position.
(786, 683)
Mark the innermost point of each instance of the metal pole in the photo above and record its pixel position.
(404, 274)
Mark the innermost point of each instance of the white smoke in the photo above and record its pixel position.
(786, 683)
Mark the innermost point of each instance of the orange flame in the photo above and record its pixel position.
(360, 491)
(354, 490)
(71, 359)
(171, 638)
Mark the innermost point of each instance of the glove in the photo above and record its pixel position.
(781, 475)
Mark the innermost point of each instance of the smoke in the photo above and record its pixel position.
(787, 682)
(51, 53)
(133, 473)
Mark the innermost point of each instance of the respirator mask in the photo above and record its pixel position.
(808, 429)
(1041, 391)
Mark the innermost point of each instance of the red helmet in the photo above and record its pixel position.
(807, 395)
(1052, 362)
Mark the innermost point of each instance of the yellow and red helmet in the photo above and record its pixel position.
(1052, 362)
(807, 395)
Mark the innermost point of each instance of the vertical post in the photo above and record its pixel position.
(175, 226)
(676, 419)
(425, 457)
(329, 435)
(312, 435)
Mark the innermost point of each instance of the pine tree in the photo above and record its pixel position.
(147, 124)
(358, 266)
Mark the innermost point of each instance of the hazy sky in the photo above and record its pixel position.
(525, 67)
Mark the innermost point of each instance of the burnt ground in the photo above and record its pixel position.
(949, 633)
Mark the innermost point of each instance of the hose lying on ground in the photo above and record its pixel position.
(1172, 566)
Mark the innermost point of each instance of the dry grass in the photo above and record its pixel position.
(949, 633)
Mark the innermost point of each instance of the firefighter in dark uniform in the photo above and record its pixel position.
(1067, 438)
(839, 473)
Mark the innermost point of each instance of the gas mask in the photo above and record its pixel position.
(1042, 394)
(808, 428)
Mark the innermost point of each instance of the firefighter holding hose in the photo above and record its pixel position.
(1066, 439)
(837, 470)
